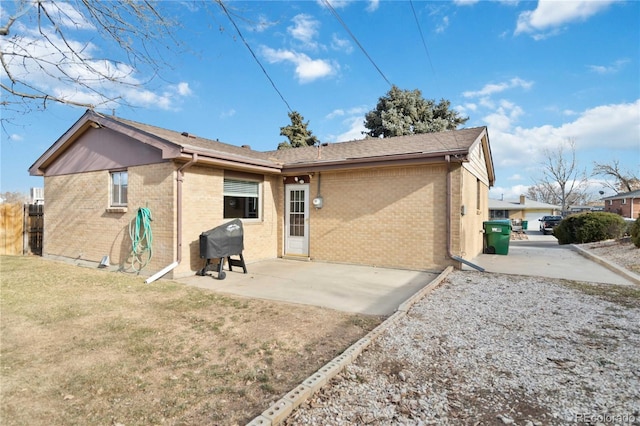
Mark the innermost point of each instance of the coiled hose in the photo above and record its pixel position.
(141, 239)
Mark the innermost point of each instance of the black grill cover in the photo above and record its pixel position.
(222, 241)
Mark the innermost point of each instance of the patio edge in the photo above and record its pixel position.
(317, 380)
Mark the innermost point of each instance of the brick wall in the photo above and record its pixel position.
(624, 210)
(203, 210)
(392, 217)
(78, 224)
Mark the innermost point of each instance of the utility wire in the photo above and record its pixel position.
(333, 11)
(253, 54)
(424, 43)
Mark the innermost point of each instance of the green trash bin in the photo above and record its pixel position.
(497, 234)
(525, 224)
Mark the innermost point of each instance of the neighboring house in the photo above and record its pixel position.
(523, 209)
(626, 204)
(584, 209)
(411, 202)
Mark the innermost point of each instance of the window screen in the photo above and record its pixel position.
(241, 199)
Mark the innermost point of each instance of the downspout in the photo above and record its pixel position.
(449, 209)
(179, 180)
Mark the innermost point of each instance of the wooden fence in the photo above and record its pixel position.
(21, 229)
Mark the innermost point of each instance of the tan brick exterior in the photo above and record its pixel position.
(78, 225)
(392, 217)
(375, 212)
(203, 209)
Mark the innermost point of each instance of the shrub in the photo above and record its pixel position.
(635, 232)
(590, 227)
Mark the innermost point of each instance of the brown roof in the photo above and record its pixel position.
(365, 152)
(190, 142)
(427, 144)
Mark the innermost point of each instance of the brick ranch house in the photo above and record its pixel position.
(625, 204)
(412, 202)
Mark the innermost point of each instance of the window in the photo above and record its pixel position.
(478, 191)
(119, 186)
(241, 199)
(624, 201)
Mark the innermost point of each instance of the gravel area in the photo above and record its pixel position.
(622, 253)
(496, 349)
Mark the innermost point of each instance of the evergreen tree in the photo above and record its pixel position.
(406, 112)
(297, 133)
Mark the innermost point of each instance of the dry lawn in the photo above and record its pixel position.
(84, 346)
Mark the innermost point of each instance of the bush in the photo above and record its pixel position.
(635, 232)
(590, 227)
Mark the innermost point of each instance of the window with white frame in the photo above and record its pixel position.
(624, 201)
(119, 188)
(241, 199)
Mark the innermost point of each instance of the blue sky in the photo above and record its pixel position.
(536, 73)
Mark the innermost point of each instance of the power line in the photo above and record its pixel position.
(424, 43)
(253, 54)
(333, 11)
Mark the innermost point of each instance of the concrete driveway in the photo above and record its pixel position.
(542, 256)
(348, 288)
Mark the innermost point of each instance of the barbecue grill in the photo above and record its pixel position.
(221, 243)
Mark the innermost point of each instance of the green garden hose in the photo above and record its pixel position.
(141, 239)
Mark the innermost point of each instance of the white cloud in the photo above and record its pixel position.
(493, 88)
(443, 25)
(341, 44)
(72, 71)
(609, 69)
(373, 5)
(356, 127)
(517, 176)
(305, 29)
(335, 113)
(616, 127)
(263, 24)
(227, 114)
(550, 15)
(307, 69)
(183, 89)
(336, 4)
(65, 15)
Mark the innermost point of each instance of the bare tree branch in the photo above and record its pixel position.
(625, 181)
(562, 182)
(43, 61)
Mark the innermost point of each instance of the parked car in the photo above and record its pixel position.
(547, 223)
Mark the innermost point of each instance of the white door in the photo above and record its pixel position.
(297, 220)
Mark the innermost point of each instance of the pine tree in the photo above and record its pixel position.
(406, 112)
(297, 133)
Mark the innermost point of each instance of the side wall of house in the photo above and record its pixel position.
(624, 210)
(78, 224)
(391, 217)
(203, 208)
(473, 211)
